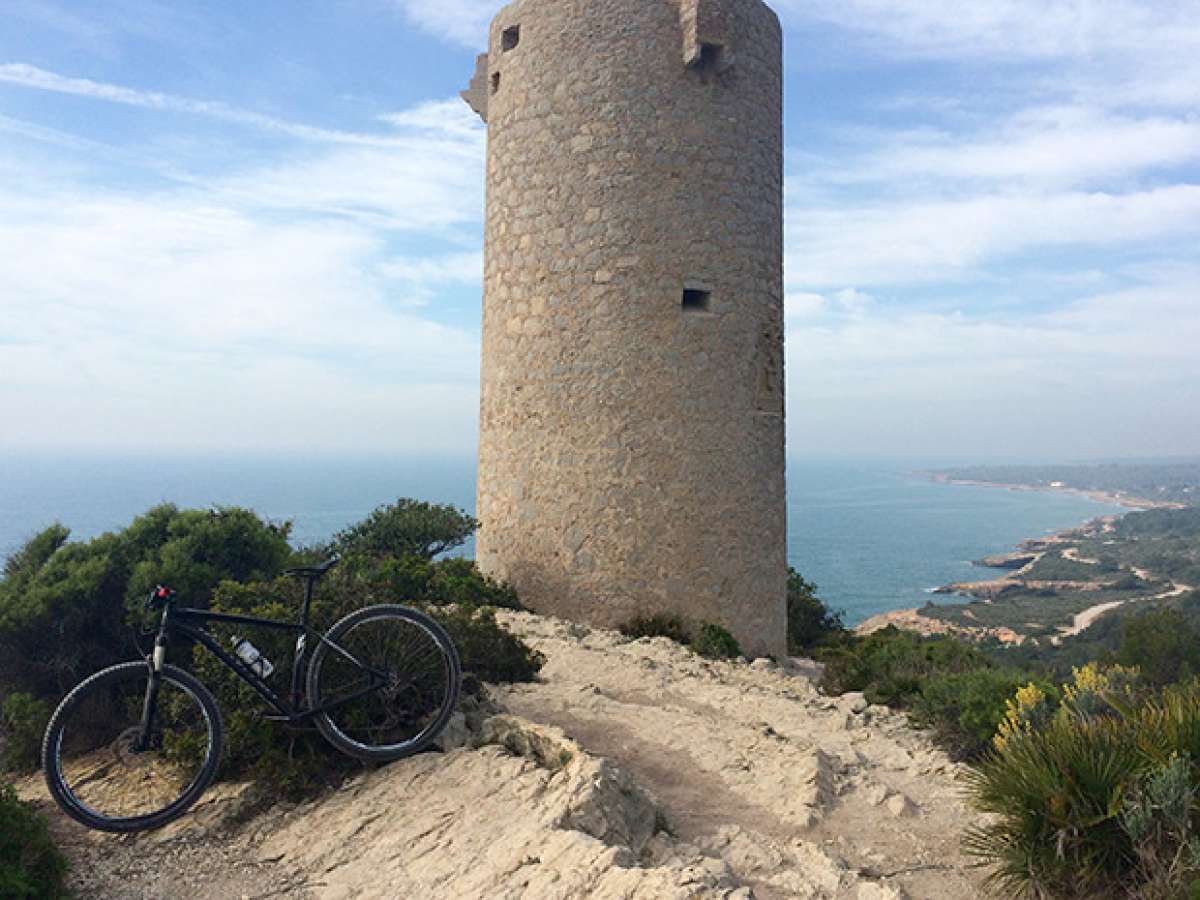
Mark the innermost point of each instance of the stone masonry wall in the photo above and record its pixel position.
(631, 424)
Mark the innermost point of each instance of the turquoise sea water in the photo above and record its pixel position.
(873, 537)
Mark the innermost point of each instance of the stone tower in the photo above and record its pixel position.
(631, 426)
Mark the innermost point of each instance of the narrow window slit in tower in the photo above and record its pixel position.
(510, 37)
(696, 300)
(495, 82)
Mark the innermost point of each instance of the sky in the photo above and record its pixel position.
(258, 227)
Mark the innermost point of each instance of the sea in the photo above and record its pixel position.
(873, 537)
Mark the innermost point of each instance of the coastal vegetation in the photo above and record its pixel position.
(68, 609)
(705, 638)
(1069, 685)
(31, 866)
(810, 625)
(1094, 798)
(1118, 567)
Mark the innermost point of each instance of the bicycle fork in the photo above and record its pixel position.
(150, 704)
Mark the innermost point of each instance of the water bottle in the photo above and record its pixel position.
(248, 653)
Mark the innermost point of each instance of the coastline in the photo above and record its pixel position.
(910, 619)
(1116, 498)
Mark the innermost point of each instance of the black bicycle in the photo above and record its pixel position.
(135, 745)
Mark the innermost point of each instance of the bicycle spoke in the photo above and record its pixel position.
(97, 766)
(419, 692)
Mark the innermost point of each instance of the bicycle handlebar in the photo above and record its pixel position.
(159, 597)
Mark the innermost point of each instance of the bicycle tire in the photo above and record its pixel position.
(118, 775)
(407, 715)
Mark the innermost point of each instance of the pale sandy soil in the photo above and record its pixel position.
(631, 769)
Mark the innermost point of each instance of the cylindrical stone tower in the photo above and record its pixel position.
(631, 455)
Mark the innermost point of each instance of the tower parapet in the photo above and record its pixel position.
(631, 418)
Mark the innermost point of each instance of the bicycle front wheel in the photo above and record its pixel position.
(94, 766)
(392, 690)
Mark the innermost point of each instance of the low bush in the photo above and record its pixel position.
(422, 581)
(31, 866)
(713, 641)
(66, 609)
(891, 666)
(708, 639)
(407, 528)
(666, 625)
(1094, 798)
(810, 623)
(23, 720)
(964, 709)
(1162, 644)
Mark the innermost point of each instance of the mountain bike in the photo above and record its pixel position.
(135, 745)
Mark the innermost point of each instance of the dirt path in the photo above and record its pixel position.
(753, 755)
(1086, 618)
(1072, 553)
(631, 769)
(205, 856)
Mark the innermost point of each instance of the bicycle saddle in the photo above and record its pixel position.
(313, 571)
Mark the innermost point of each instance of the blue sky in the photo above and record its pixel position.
(258, 226)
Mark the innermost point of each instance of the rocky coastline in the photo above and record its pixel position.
(1014, 563)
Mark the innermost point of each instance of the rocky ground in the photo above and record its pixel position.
(632, 769)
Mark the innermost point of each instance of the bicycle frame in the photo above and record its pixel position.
(190, 623)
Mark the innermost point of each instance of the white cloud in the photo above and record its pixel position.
(1010, 29)
(1062, 145)
(463, 22)
(28, 76)
(267, 308)
(914, 241)
(1111, 374)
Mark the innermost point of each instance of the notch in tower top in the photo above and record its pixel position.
(706, 35)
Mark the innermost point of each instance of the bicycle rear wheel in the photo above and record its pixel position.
(97, 774)
(416, 662)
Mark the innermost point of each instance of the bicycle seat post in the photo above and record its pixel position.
(309, 582)
(310, 574)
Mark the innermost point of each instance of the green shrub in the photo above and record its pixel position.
(435, 582)
(1056, 795)
(31, 866)
(706, 639)
(891, 666)
(486, 650)
(809, 621)
(23, 720)
(964, 709)
(407, 528)
(1162, 644)
(1094, 801)
(666, 625)
(715, 642)
(65, 608)
(66, 611)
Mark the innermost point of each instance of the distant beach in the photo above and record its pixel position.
(1117, 498)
